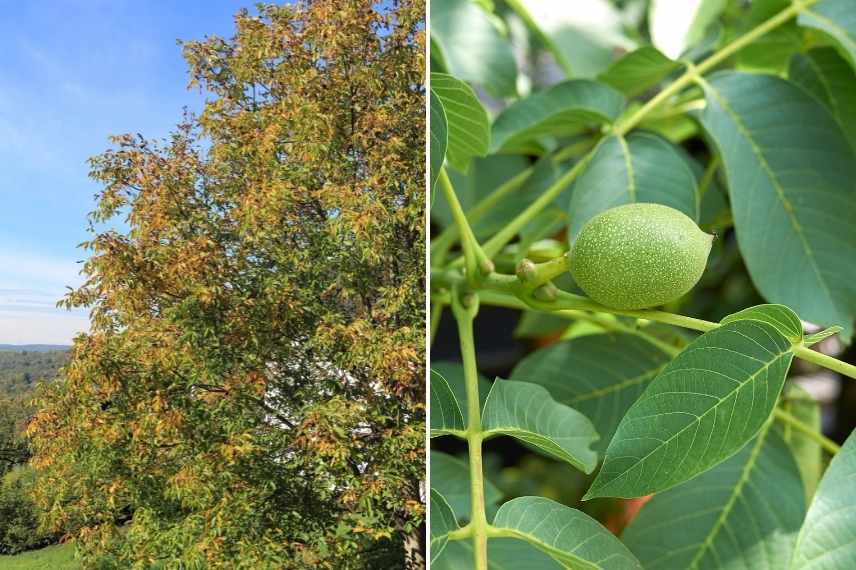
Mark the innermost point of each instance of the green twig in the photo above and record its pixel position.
(826, 443)
(436, 315)
(441, 245)
(693, 72)
(510, 285)
(474, 258)
(465, 310)
(507, 233)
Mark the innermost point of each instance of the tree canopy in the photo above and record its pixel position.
(250, 393)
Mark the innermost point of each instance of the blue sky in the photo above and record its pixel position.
(73, 72)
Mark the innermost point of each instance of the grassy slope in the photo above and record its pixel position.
(50, 558)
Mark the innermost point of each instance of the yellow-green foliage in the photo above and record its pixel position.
(251, 392)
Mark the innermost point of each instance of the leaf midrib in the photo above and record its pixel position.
(599, 392)
(745, 475)
(628, 165)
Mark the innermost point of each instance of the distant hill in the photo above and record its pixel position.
(33, 347)
(22, 368)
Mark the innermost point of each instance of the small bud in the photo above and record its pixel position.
(526, 270)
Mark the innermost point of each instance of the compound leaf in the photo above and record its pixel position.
(473, 48)
(439, 137)
(806, 451)
(453, 373)
(446, 415)
(781, 317)
(827, 76)
(442, 523)
(638, 70)
(450, 476)
(837, 18)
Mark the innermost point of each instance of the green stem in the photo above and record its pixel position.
(715, 59)
(447, 238)
(548, 42)
(825, 360)
(826, 443)
(502, 300)
(707, 177)
(506, 234)
(474, 258)
(510, 285)
(465, 310)
(436, 314)
(535, 274)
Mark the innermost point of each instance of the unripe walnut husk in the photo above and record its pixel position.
(639, 256)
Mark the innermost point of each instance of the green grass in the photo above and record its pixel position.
(60, 557)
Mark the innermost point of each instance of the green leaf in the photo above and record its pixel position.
(827, 540)
(439, 137)
(770, 52)
(502, 554)
(567, 535)
(468, 123)
(535, 324)
(563, 109)
(807, 451)
(641, 167)
(484, 176)
(544, 173)
(639, 70)
(446, 415)
(679, 24)
(824, 73)
(744, 513)
(450, 476)
(473, 48)
(527, 412)
(453, 373)
(790, 173)
(438, 60)
(702, 408)
(599, 375)
(442, 523)
(837, 18)
(824, 334)
(781, 317)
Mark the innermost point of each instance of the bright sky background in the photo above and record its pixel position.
(73, 72)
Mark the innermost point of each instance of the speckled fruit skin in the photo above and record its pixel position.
(638, 256)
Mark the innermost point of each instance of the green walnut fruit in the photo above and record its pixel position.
(638, 256)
